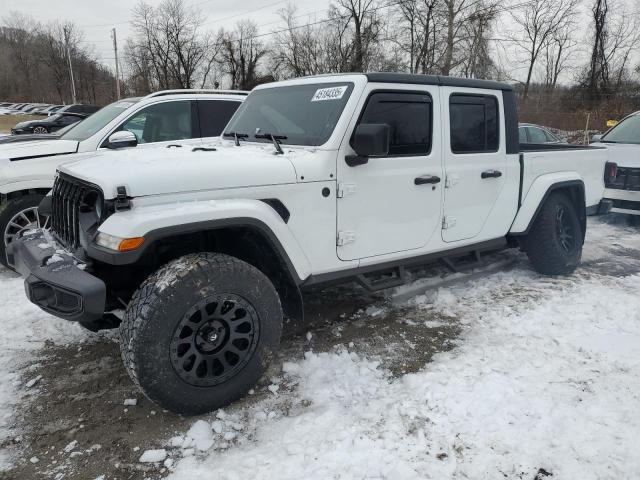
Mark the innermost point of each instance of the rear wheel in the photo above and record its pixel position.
(40, 130)
(20, 214)
(554, 243)
(200, 332)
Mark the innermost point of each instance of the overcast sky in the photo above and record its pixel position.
(97, 17)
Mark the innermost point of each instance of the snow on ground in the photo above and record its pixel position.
(546, 376)
(25, 329)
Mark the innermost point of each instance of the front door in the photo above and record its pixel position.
(392, 203)
(475, 160)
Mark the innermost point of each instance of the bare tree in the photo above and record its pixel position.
(538, 21)
(557, 53)
(421, 27)
(241, 52)
(169, 48)
(362, 13)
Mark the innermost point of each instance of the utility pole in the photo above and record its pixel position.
(115, 50)
(73, 84)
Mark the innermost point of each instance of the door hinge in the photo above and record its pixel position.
(448, 222)
(345, 238)
(451, 180)
(345, 189)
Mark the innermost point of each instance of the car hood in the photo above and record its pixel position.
(28, 137)
(624, 154)
(29, 123)
(37, 148)
(162, 171)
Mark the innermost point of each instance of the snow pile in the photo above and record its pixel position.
(25, 328)
(547, 377)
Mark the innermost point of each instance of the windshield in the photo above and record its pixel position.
(296, 115)
(627, 131)
(97, 121)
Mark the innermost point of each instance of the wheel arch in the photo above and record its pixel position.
(574, 189)
(247, 239)
(22, 192)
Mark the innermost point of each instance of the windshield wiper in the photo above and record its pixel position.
(236, 136)
(274, 138)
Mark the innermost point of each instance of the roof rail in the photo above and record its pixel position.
(194, 91)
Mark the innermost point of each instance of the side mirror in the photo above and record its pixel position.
(596, 138)
(122, 139)
(369, 140)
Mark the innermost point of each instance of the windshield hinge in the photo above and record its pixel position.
(122, 199)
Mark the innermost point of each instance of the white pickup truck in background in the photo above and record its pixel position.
(317, 180)
(623, 181)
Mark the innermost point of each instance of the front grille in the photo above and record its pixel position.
(67, 200)
(626, 179)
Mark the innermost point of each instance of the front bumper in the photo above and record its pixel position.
(55, 281)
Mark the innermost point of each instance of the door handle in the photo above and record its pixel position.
(426, 179)
(491, 174)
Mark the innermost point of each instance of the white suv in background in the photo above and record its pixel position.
(27, 169)
(623, 181)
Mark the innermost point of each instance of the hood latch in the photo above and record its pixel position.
(122, 199)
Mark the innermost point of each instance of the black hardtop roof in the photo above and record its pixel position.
(440, 80)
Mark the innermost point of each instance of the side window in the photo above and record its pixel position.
(474, 123)
(214, 116)
(161, 122)
(522, 135)
(408, 115)
(538, 135)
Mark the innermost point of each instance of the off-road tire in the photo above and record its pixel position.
(13, 207)
(543, 243)
(164, 300)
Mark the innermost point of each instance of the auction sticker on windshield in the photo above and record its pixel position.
(333, 93)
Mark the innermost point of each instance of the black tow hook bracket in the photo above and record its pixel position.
(122, 199)
(204, 149)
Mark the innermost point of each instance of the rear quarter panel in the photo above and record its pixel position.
(545, 168)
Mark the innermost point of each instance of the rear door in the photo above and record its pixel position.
(475, 159)
(392, 203)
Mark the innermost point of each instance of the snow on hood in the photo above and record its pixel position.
(37, 148)
(159, 171)
(624, 154)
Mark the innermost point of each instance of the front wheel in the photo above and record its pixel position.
(20, 214)
(200, 332)
(40, 130)
(554, 243)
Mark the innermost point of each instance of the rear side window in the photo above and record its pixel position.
(214, 116)
(473, 123)
(409, 116)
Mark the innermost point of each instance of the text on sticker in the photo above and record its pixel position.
(332, 93)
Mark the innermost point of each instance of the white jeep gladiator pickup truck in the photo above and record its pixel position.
(196, 254)
(27, 169)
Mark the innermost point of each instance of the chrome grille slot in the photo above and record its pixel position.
(67, 195)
